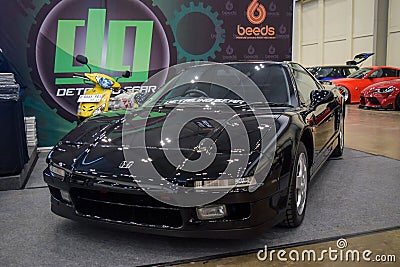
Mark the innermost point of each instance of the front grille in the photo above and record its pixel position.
(373, 100)
(362, 100)
(126, 208)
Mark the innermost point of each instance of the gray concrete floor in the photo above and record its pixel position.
(356, 194)
(36, 179)
(353, 195)
(373, 131)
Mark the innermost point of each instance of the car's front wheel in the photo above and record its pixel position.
(297, 199)
(345, 92)
(397, 102)
(338, 151)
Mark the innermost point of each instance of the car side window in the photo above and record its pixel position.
(348, 71)
(305, 83)
(376, 74)
(389, 73)
(335, 73)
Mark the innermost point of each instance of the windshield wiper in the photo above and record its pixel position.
(270, 104)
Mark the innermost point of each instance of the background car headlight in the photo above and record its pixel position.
(104, 82)
(225, 183)
(383, 90)
(57, 172)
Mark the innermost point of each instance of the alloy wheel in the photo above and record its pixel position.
(301, 183)
(341, 136)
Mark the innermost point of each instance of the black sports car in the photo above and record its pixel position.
(200, 159)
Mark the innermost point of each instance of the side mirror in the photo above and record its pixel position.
(126, 74)
(82, 59)
(319, 97)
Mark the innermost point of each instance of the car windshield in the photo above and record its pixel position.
(323, 72)
(312, 70)
(195, 86)
(360, 73)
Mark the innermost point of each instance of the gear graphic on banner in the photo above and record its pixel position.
(49, 135)
(46, 7)
(219, 32)
(157, 2)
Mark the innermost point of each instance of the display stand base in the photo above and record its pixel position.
(18, 181)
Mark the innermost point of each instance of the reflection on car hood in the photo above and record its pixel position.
(96, 146)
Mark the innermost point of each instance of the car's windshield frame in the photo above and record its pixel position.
(361, 73)
(159, 97)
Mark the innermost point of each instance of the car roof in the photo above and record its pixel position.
(335, 66)
(381, 67)
(255, 62)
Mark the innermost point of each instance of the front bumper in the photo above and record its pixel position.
(132, 209)
(378, 101)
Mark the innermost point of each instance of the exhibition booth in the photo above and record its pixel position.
(148, 132)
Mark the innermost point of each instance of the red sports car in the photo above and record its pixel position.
(382, 95)
(352, 86)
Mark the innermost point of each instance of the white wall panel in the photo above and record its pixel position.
(309, 23)
(393, 58)
(308, 55)
(333, 31)
(393, 53)
(335, 52)
(394, 15)
(363, 18)
(297, 33)
(364, 45)
(337, 17)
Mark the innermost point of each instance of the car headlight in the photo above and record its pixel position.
(211, 212)
(383, 90)
(57, 172)
(104, 82)
(99, 110)
(225, 183)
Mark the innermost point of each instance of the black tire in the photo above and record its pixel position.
(338, 151)
(294, 212)
(397, 104)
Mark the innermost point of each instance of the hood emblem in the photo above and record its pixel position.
(126, 164)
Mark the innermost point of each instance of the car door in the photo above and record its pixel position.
(349, 70)
(390, 74)
(321, 118)
(372, 77)
(383, 74)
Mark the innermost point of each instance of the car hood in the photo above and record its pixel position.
(384, 84)
(345, 81)
(100, 145)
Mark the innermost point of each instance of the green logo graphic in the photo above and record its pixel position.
(96, 25)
